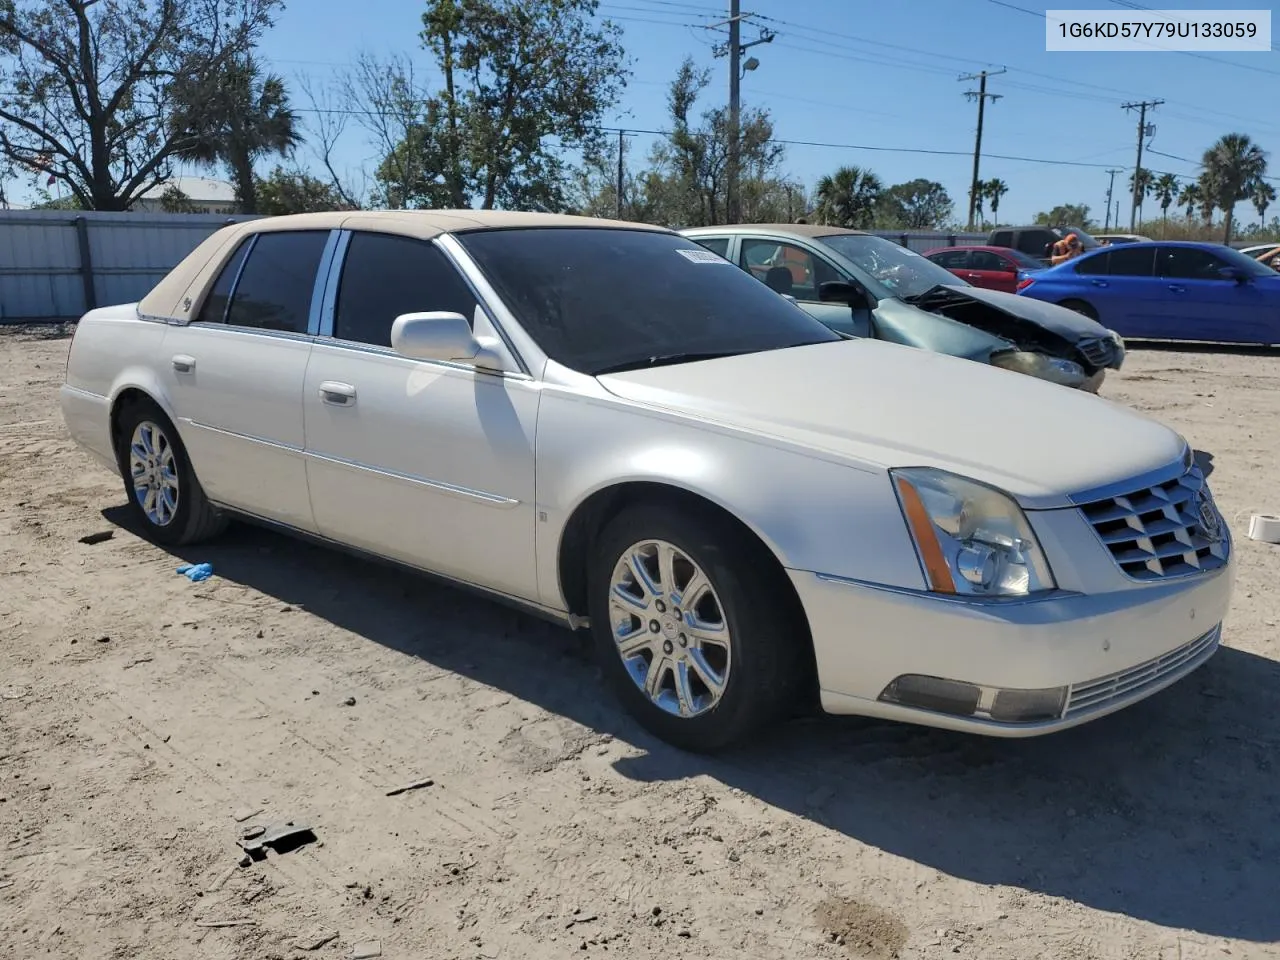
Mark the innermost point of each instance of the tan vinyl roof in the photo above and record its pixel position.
(177, 296)
(799, 229)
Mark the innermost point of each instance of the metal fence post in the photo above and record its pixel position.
(86, 263)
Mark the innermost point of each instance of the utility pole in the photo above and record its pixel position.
(982, 97)
(1142, 109)
(621, 147)
(735, 48)
(1110, 186)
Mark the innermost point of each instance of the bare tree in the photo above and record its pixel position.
(327, 122)
(91, 91)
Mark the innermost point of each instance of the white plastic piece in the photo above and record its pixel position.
(1264, 527)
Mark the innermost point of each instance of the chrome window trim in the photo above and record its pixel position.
(323, 280)
(333, 277)
(355, 346)
(251, 242)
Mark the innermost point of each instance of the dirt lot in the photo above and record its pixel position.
(143, 716)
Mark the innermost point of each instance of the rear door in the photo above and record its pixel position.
(236, 375)
(1120, 284)
(1203, 305)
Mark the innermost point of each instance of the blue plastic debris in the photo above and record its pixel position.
(195, 572)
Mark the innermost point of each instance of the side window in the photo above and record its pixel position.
(1188, 263)
(385, 276)
(786, 268)
(1002, 238)
(717, 245)
(214, 309)
(274, 292)
(1096, 266)
(952, 259)
(1127, 261)
(986, 260)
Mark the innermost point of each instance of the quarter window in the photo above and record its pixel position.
(717, 245)
(214, 309)
(274, 291)
(385, 276)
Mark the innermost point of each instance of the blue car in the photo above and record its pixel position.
(1167, 291)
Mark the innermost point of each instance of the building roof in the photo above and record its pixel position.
(196, 189)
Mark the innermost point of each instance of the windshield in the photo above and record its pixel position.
(596, 299)
(1023, 260)
(893, 270)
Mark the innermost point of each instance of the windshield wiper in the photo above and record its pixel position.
(663, 360)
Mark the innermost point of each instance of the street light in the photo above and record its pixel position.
(751, 64)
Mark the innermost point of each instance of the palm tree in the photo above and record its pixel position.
(248, 117)
(1232, 168)
(993, 190)
(1190, 198)
(1165, 189)
(1144, 181)
(847, 198)
(1264, 194)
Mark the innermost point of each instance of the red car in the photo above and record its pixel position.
(995, 268)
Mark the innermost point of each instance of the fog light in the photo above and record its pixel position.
(1028, 706)
(934, 693)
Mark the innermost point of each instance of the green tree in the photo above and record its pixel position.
(248, 117)
(848, 197)
(915, 205)
(1066, 215)
(994, 190)
(1232, 168)
(1264, 194)
(524, 82)
(1165, 189)
(89, 90)
(1145, 182)
(1190, 198)
(293, 191)
(173, 200)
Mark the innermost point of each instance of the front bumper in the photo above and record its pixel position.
(1107, 651)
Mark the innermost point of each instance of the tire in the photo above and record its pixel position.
(762, 665)
(1082, 308)
(173, 510)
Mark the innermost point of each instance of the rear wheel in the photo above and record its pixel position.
(697, 636)
(1080, 307)
(165, 497)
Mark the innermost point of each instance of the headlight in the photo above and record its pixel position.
(1054, 369)
(971, 539)
(1118, 340)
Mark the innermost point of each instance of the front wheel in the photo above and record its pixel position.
(165, 497)
(693, 627)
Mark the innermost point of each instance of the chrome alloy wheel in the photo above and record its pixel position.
(154, 473)
(670, 628)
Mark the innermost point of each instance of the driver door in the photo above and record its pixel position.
(794, 271)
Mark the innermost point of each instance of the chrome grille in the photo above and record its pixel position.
(1167, 530)
(1131, 682)
(1099, 352)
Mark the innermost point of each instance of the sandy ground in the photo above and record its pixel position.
(143, 715)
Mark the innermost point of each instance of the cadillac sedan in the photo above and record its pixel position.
(609, 425)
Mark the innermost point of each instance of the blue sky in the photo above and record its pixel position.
(884, 73)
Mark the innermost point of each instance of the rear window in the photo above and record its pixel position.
(598, 298)
(275, 286)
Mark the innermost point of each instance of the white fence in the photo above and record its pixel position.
(56, 264)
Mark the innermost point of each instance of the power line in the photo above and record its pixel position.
(1138, 185)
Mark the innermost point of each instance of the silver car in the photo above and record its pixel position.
(862, 285)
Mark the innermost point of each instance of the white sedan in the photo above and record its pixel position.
(611, 426)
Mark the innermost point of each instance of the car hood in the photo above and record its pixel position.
(1071, 326)
(869, 402)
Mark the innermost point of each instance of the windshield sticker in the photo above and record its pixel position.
(701, 256)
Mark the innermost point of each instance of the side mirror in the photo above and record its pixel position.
(442, 336)
(1233, 273)
(845, 291)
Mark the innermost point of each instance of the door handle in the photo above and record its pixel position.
(974, 276)
(183, 363)
(1177, 289)
(339, 394)
(1099, 283)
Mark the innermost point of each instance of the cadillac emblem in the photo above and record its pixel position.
(1209, 521)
